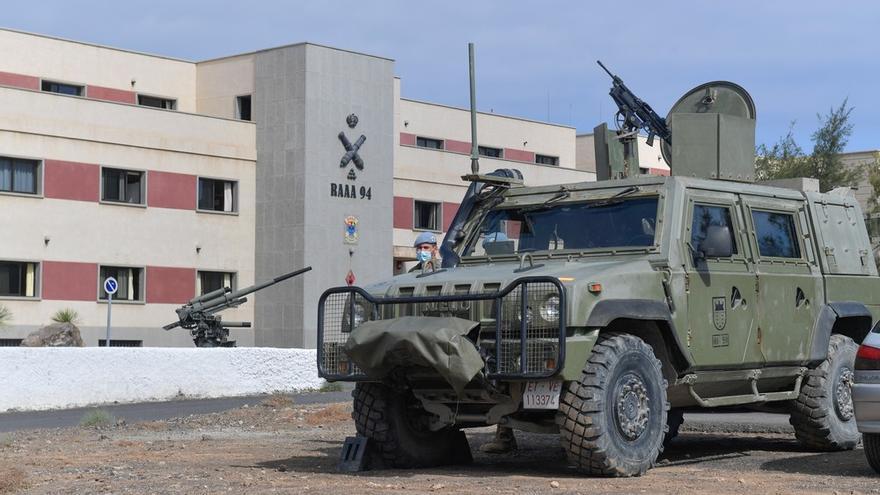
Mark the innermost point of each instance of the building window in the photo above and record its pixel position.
(211, 281)
(121, 343)
(156, 102)
(434, 144)
(547, 160)
(217, 195)
(122, 186)
(10, 342)
(776, 235)
(62, 88)
(18, 279)
(490, 152)
(19, 175)
(426, 215)
(243, 107)
(130, 280)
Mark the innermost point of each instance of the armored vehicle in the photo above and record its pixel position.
(598, 310)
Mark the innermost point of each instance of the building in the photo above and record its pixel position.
(179, 177)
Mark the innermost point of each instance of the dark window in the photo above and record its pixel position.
(776, 235)
(547, 160)
(10, 342)
(217, 195)
(155, 101)
(123, 186)
(121, 343)
(490, 152)
(426, 215)
(65, 89)
(18, 279)
(423, 142)
(243, 107)
(130, 282)
(211, 281)
(706, 216)
(19, 175)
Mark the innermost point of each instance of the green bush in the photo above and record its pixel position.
(96, 419)
(66, 315)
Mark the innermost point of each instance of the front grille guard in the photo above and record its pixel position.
(528, 341)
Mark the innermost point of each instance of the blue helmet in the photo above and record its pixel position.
(425, 238)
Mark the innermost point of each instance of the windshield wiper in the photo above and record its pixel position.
(615, 199)
(563, 193)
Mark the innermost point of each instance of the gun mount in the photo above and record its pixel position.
(200, 317)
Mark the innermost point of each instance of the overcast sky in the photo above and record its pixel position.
(537, 59)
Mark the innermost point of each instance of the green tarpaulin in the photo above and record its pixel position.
(378, 347)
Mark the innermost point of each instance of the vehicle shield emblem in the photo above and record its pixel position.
(719, 312)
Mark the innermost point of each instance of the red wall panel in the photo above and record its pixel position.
(407, 139)
(69, 281)
(449, 210)
(19, 80)
(110, 94)
(71, 180)
(658, 171)
(169, 285)
(403, 213)
(458, 146)
(519, 155)
(170, 190)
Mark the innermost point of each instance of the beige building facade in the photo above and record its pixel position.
(179, 177)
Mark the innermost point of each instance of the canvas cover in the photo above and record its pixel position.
(439, 343)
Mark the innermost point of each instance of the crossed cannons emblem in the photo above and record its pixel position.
(351, 152)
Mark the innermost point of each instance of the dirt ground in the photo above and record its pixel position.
(280, 447)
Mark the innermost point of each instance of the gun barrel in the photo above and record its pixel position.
(237, 324)
(606, 69)
(256, 287)
(210, 295)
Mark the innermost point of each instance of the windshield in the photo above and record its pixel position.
(598, 224)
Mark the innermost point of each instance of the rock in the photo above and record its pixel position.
(54, 335)
(554, 484)
(437, 486)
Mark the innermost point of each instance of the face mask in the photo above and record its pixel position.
(423, 256)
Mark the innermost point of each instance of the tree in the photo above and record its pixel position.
(786, 159)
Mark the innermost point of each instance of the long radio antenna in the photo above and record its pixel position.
(475, 155)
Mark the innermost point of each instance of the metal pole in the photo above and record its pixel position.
(475, 155)
(109, 308)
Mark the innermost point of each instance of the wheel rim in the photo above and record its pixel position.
(631, 406)
(843, 404)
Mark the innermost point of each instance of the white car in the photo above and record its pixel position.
(866, 395)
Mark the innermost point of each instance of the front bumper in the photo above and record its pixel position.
(512, 335)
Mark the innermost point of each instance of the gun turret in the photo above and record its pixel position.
(199, 315)
(634, 114)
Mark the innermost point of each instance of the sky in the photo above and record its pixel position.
(536, 60)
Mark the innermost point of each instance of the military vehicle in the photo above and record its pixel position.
(598, 310)
(200, 315)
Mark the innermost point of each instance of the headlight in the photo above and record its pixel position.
(528, 315)
(360, 315)
(549, 309)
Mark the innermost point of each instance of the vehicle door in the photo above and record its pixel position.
(720, 289)
(787, 278)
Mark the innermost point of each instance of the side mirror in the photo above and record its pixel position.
(718, 242)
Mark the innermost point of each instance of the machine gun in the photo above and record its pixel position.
(208, 329)
(633, 114)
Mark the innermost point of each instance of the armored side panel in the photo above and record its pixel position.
(609, 155)
(713, 146)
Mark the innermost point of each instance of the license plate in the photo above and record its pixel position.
(542, 395)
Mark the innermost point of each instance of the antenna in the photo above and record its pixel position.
(475, 155)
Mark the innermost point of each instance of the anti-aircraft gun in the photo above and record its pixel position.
(200, 317)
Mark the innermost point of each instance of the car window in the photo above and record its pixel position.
(706, 216)
(776, 234)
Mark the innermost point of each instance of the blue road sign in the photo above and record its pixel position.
(111, 285)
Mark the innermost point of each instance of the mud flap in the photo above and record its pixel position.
(439, 343)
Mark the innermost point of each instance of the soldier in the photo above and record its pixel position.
(426, 251)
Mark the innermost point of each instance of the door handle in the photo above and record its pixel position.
(800, 298)
(735, 298)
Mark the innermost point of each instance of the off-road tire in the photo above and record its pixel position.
(395, 441)
(674, 420)
(872, 449)
(822, 415)
(613, 419)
